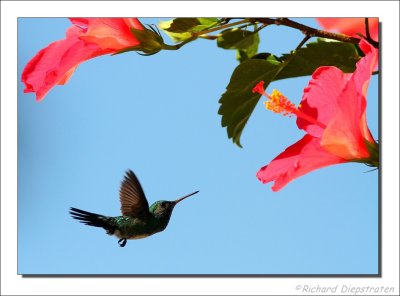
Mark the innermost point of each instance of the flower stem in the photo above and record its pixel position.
(179, 45)
(303, 41)
(367, 29)
(292, 53)
(368, 36)
(373, 159)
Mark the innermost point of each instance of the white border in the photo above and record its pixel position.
(12, 284)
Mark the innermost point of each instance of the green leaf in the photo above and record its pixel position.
(181, 29)
(320, 53)
(244, 41)
(238, 101)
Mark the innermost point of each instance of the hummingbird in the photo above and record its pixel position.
(137, 220)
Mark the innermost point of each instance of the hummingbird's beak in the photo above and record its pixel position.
(186, 196)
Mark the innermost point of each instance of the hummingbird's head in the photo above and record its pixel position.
(164, 208)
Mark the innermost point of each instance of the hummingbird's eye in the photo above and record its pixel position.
(163, 204)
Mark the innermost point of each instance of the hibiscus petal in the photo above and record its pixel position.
(297, 160)
(365, 66)
(133, 22)
(56, 63)
(111, 33)
(67, 76)
(348, 129)
(320, 98)
(362, 78)
(80, 22)
(350, 26)
(343, 134)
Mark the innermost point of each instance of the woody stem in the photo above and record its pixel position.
(368, 36)
(306, 29)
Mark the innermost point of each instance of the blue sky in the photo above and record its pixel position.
(158, 116)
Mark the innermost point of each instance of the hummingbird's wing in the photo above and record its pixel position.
(131, 195)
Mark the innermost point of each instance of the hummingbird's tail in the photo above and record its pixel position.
(93, 219)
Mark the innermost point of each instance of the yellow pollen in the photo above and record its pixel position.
(278, 103)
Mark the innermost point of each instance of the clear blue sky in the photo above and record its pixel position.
(158, 116)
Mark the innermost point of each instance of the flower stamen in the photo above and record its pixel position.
(280, 104)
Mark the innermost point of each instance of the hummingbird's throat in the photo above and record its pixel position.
(280, 104)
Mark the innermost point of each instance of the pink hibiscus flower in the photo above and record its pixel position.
(86, 39)
(333, 114)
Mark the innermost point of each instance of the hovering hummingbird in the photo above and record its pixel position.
(137, 220)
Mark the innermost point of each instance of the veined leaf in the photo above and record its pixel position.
(320, 53)
(238, 102)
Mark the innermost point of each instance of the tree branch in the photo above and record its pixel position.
(306, 29)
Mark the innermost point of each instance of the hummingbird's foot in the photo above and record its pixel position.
(122, 242)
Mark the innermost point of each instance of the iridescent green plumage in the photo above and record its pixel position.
(137, 220)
